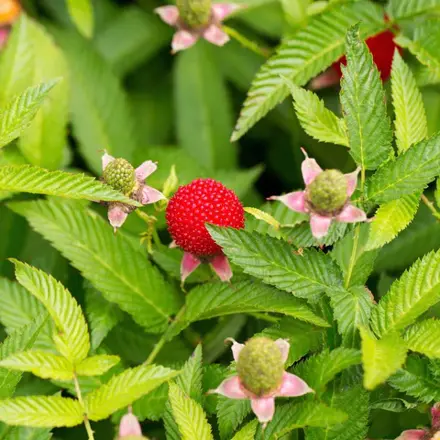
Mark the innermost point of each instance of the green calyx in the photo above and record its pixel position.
(120, 175)
(260, 366)
(195, 13)
(327, 194)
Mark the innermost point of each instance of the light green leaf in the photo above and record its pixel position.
(423, 337)
(35, 180)
(102, 316)
(351, 309)
(96, 365)
(190, 378)
(381, 358)
(230, 414)
(18, 341)
(19, 112)
(301, 57)
(364, 107)
(408, 174)
(204, 116)
(81, 12)
(392, 218)
(125, 388)
(72, 338)
(275, 262)
(317, 121)
(299, 415)
(321, 369)
(113, 264)
(407, 9)
(41, 411)
(23, 433)
(247, 432)
(409, 297)
(99, 104)
(417, 380)
(40, 363)
(189, 416)
(395, 405)
(217, 299)
(410, 123)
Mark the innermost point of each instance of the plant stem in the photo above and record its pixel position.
(430, 206)
(248, 44)
(81, 401)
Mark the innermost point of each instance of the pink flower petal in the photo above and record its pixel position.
(215, 35)
(189, 264)
(106, 159)
(221, 267)
(352, 181)
(221, 10)
(326, 79)
(129, 426)
(168, 14)
(293, 386)
(183, 40)
(151, 195)
(309, 168)
(4, 34)
(351, 214)
(319, 225)
(116, 216)
(412, 434)
(173, 245)
(284, 347)
(146, 169)
(231, 388)
(236, 348)
(296, 201)
(435, 416)
(263, 408)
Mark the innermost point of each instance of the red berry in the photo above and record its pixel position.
(202, 201)
(382, 47)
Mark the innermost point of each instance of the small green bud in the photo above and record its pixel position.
(195, 13)
(120, 175)
(328, 192)
(260, 366)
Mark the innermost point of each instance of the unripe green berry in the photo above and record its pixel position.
(195, 13)
(260, 366)
(327, 194)
(120, 175)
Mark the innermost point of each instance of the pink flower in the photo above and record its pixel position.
(326, 197)
(119, 174)
(4, 34)
(425, 434)
(187, 34)
(129, 427)
(260, 369)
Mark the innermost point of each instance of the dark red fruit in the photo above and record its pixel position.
(202, 201)
(382, 47)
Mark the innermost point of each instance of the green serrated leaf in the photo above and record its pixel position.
(189, 416)
(395, 405)
(381, 358)
(275, 262)
(23, 433)
(230, 414)
(42, 364)
(409, 297)
(19, 112)
(423, 337)
(96, 365)
(408, 174)
(81, 12)
(41, 411)
(35, 180)
(407, 9)
(190, 378)
(125, 388)
(247, 432)
(113, 264)
(363, 104)
(410, 124)
(301, 57)
(72, 339)
(317, 121)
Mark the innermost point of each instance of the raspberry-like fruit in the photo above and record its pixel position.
(260, 366)
(327, 194)
(120, 175)
(202, 201)
(194, 13)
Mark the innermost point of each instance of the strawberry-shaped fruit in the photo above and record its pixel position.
(192, 206)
